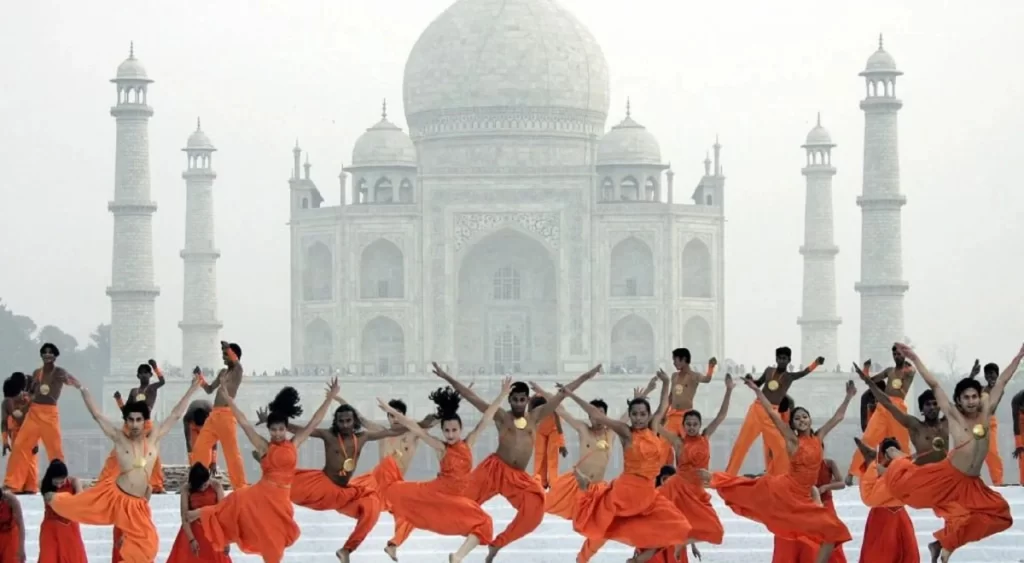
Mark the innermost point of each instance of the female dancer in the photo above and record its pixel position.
(438, 506)
(630, 510)
(191, 545)
(260, 518)
(12, 412)
(60, 539)
(788, 550)
(788, 504)
(686, 489)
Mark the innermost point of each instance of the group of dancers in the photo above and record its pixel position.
(659, 504)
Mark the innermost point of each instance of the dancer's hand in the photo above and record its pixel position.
(333, 388)
(506, 386)
(193, 544)
(662, 375)
(749, 382)
(713, 362)
(729, 382)
(851, 389)
(820, 360)
(261, 415)
(117, 395)
(1017, 453)
(638, 392)
(975, 369)
(860, 372)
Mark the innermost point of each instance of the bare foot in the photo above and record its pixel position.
(392, 551)
(944, 555)
(491, 552)
(867, 451)
(342, 555)
(935, 549)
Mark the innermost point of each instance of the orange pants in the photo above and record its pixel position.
(565, 493)
(993, 459)
(104, 504)
(31, 483)
(193, 436)
(545, 456)
(60, 542)
(881, 425)
(495, 477)
(758, 423)
(438, 506)
(312, 489)
(222, 427)
(971, 510)
(379, 480)
(42, 422)
(674, 424)
(889, 537)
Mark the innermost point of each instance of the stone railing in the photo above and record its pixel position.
(175, 476)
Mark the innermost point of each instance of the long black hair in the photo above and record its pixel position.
(284, 407)
(198, 475)
(447, 401)
(15, 384)
(56, 470)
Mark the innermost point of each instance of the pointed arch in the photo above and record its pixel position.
(405, 191)
(630, 189)
(383, 191)
(318, 273)
(362, 192)
(383, 347)
(631, 271)
(697, 278)
(632, 345)
(318, 344)
(382, 271)
(607, 190)
(651, 189)
(697, 337)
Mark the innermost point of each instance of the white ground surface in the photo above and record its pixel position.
(553, 542)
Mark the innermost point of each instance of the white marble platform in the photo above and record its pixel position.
(553, 542)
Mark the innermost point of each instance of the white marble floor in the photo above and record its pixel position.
(553, 542)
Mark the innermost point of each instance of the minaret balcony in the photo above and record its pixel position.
(131, 207)
(881, 201)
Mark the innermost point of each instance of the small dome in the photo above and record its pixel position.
(131, 68)
(819, 135)
(881, 61)
(628, 143)
(384, 144)
(199, 140)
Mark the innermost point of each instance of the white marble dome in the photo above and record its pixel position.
(819, 136)
(384, 144)
(498, 55)
(132, 69)
(199, 141)
(628, 143)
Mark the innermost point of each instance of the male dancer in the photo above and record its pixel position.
(504, 472)
(1017, 411)
(898, 380)
(398, 448)
(954, 488)
(929, 434)
(775, 383)
(123, 502)
(684, 387)
(332, 488)
(42, 421)
(993, 460)
(221, 425)
(147, 393)
(12, 529)
(549, 445)
(15, 406)
(195, 418)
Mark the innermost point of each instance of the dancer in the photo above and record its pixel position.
(12, 529)
(993, 460)
(550, 444)
(1017, 412)
(195, 418)
(898, 380)
(191, 545)
(776, 382)
(439, 506)
(395, 450)
(929, 435)
(146, 392)
(686, 489)
(788, 505)
(221, 425)
(788, 550)
(333, 487)
(41, 422)
(627, 509)
(12, 412)
(684, 387)
(668, 554)
(889, 535)
(953, 488)
(123, 502)
(261, 519)
(504, 472)
(60, 539)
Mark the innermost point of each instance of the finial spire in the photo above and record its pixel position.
(199, 125)
(629, 110)
(881, 46)
(384, 110)
(131, 49)
(296, 149)
(819, 119)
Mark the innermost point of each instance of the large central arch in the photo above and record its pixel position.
(507, 308)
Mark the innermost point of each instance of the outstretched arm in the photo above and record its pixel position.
(807, 370)
(882, 400)
(791, 440)
(940, 395)
(617, 426)
(851, 391)
(412, 426)
(723, 411)
(159, 377)
(663, 402)
(108, 428)
(464, 390)
(492, 409)
(177, 412)
(706, 378)
(540, 413)
(996, 394)
(303, 434)
(258, 442)
(211, 387)
(368, 424)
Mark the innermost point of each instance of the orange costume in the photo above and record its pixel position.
(889, 535)
(385, 474)
(804, 551)
(993, 460)
(495, 477)
(783, 503)
(181, 551)
(111, 468)
(260, 519)
(881, 425)
(565, 490)
(359, 500)
(42, 422)
(438, 506)
(674, 421)
(758, 423)
(104, 504)
(222, 427)
(545, 451)
(630, 509)
(686, 491)
(9, 544)
(970, 509)
(193, 431)
(30, 480)
(60, 539)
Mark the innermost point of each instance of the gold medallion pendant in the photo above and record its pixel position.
(349, 465)
(397, 454)
(984, 395)
(17, 413)
(140, 462)
(520, 423)
(140, 397)
(897, 384)
(602, 444)
(44, 389)
(979, 431)
(678, 389)
(773, 385)
(938, 443)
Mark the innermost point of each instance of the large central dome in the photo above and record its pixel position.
(506, 64)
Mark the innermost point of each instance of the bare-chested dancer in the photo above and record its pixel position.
(993, 460)
(504, 472)
(195, 418)
(775, 383)
(684, 388)
(221, 425)
(146, 392)
(953, 488)
(898, 380)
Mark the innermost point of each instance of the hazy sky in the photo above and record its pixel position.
(262, 74)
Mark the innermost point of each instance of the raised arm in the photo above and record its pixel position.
(851, 391)
(184, 507)
(108, 428)
(211, 387)
(723, 410)
(159, 376)
(706, 378)
(177, 412)
(595, 414)
(996, 394)
(941, 398)
(791, 440)
(185, 420)
(368, 424)
(883, 400)
(540, 413)
(257, 441)
(663, 402)
(807, 370)
(303, 434)
(412, 426)
(464, 390)
(492, 409)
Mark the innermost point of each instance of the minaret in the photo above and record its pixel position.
(132, 291)
(881, 261)
(199, 325)
(819, 323)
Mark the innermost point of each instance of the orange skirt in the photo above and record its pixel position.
(783, 505)
(626, 510)
(61, 542)
(379, 479)
(260, 519)
(181, 551)
(437, 506)
(687, 493)
(889, 537)
(563, 496)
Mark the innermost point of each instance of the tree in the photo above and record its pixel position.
(948, 353)
(18, 350)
